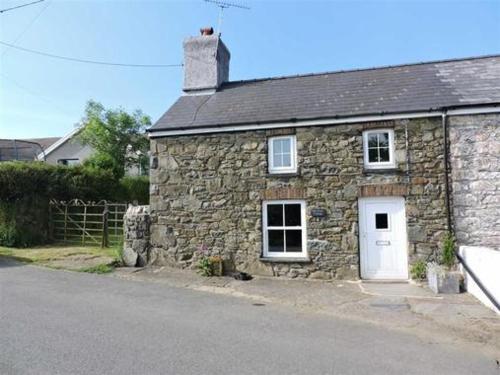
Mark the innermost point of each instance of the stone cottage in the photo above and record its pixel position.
(332, 175)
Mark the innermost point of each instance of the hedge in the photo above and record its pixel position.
(26, 188)
(134, 189)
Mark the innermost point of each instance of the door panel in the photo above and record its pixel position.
(383, 242)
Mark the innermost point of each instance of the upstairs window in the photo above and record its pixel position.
(282, 154)
(379, 148)
(284, 229)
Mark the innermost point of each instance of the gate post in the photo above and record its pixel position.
(105, 215)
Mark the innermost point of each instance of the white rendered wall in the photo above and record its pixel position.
(485, 263)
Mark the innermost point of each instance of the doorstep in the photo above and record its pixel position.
(385, 281)
(397, 289)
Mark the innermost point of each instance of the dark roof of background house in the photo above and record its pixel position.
(391, 89)
(18, 149)
(44, 142)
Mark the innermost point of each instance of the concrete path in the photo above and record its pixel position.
(58, 322)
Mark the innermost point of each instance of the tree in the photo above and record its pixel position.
(116, 136)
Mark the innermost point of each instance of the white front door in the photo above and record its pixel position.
(383, 242)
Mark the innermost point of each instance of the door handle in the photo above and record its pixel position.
(382, 243)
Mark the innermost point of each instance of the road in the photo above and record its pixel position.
(57, 322)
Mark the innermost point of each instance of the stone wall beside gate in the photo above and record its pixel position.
(136, 236)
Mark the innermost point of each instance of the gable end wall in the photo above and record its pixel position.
(475, 179)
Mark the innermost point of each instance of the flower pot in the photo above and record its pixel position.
(217, 266)
(443, 281)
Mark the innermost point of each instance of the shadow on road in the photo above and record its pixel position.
(8, 261)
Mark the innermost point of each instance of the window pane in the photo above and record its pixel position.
(274, 215)
(286, 160)
(277, 146)
(292, 215)
(373, 155)
(383, 139)
(384, 154)
(372, 140)
(277, 160)
(381, 221)
(276, 243)
(293, 241)
(285, 145)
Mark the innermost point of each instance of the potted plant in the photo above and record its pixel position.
(217, 265)
(443, 277)
(418, 270)
(209, 265)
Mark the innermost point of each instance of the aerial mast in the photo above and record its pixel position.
(224, 5)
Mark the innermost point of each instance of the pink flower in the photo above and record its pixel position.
(203, 249)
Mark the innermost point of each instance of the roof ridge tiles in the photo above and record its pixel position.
(361, 69)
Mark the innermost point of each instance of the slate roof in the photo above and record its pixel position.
(18, 149)
(44, 142)
(393, 89)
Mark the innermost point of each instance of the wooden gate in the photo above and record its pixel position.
(80, 223)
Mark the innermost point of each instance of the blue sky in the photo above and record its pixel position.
(42, 97)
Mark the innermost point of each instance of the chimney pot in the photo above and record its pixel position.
(205, 31)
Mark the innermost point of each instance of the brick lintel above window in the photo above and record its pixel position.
(379, 125)
(283, 193)
(383, 190)
(280, 131)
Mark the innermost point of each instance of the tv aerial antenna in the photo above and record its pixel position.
(224, 5)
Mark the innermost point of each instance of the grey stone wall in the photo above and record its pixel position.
(136, 234)
(475, 176)
(207, 191)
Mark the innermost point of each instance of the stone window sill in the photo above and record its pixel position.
(285, 260)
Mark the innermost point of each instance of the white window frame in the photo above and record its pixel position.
(302, 227)
(293, 154)
(384, 164)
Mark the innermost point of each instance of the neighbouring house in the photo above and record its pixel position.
(44, 143)
(23, 149)
(69, 150)
(346, 174)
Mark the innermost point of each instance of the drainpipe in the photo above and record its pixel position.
(407, 154)
(444, 121)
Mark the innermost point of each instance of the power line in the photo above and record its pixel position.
(74, 59)
(28, 26)
(36, 95)
(20, 6)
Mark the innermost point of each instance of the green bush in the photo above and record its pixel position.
(23, 180)
(135, 189)
(26, 189)
(24, 223)
(448, 253)
(18, 180)
(418, 270)
(8, 234)
(210, 265)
